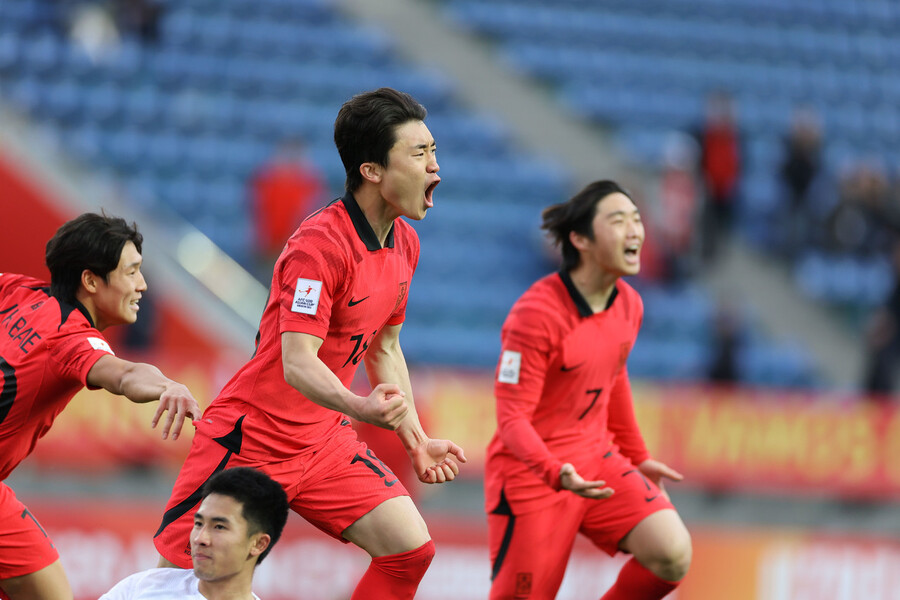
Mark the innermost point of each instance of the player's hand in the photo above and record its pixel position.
(434, 461)
(384, 407)
(180, 404)
(655, 471)
(570, 480)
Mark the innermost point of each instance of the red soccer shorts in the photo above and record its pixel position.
(24, 545)
(330, 485)
(529, 551)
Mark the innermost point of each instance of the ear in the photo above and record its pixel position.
(371, 172)
(260, 544)
(579, 241)
(90, 281)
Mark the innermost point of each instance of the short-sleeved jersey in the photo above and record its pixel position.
(562, 389)
(335, 281)
(47, 348)
(158, 584)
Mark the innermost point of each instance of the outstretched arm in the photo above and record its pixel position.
(141, 383)
(433, 460)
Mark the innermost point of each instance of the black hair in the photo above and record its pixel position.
(264, 504)
(90, 241)
(365, 129)
(577, 214)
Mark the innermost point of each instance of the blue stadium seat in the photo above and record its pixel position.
(145, 108)
(10, 51)
(42, 55)
(63, 101)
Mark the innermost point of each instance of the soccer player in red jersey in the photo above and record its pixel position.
(51, 347)
(568, 456)
(337, 299)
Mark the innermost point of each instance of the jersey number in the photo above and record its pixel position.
(8, 389)
(596, 394)
(384, 472)
(359, 349)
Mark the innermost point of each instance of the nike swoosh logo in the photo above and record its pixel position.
(566, 369)
(355, 302)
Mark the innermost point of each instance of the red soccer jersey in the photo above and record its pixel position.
(47, 349)
(562, 389)
(334, 281)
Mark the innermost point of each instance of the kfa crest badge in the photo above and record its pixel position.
(624, 350)
(401, 294)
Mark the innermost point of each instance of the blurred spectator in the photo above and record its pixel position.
(726, 343)
(858, 225)
(882, 338)
(139, 17)
(800, 168)
(720, 167)
(93, 29)
(283, 192)
(678, 206)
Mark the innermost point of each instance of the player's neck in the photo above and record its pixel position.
(231, 588)
(595, 285)
(85, 300)
(379, 213)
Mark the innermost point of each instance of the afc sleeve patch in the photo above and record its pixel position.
(306, 296)
(98, 344)
(510, 365)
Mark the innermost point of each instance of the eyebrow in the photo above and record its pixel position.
(425, 146)
(212, 519)
(622, 213)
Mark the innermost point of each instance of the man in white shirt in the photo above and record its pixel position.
(239, 520)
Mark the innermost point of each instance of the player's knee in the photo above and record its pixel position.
(673, 563)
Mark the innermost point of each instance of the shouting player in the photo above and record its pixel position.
(337, 299)
(568, 456)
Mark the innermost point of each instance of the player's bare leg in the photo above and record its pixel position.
(662, 544)
(392, 527)
(50, 583)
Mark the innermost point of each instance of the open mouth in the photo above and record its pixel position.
(429, 193)
(632, 251)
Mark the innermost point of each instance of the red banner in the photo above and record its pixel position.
(747, 440)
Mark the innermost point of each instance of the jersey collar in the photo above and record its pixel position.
(361, 224)
(584, 309)
(66, 309)
(83, 310)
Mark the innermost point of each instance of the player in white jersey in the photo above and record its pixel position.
(239, 520)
